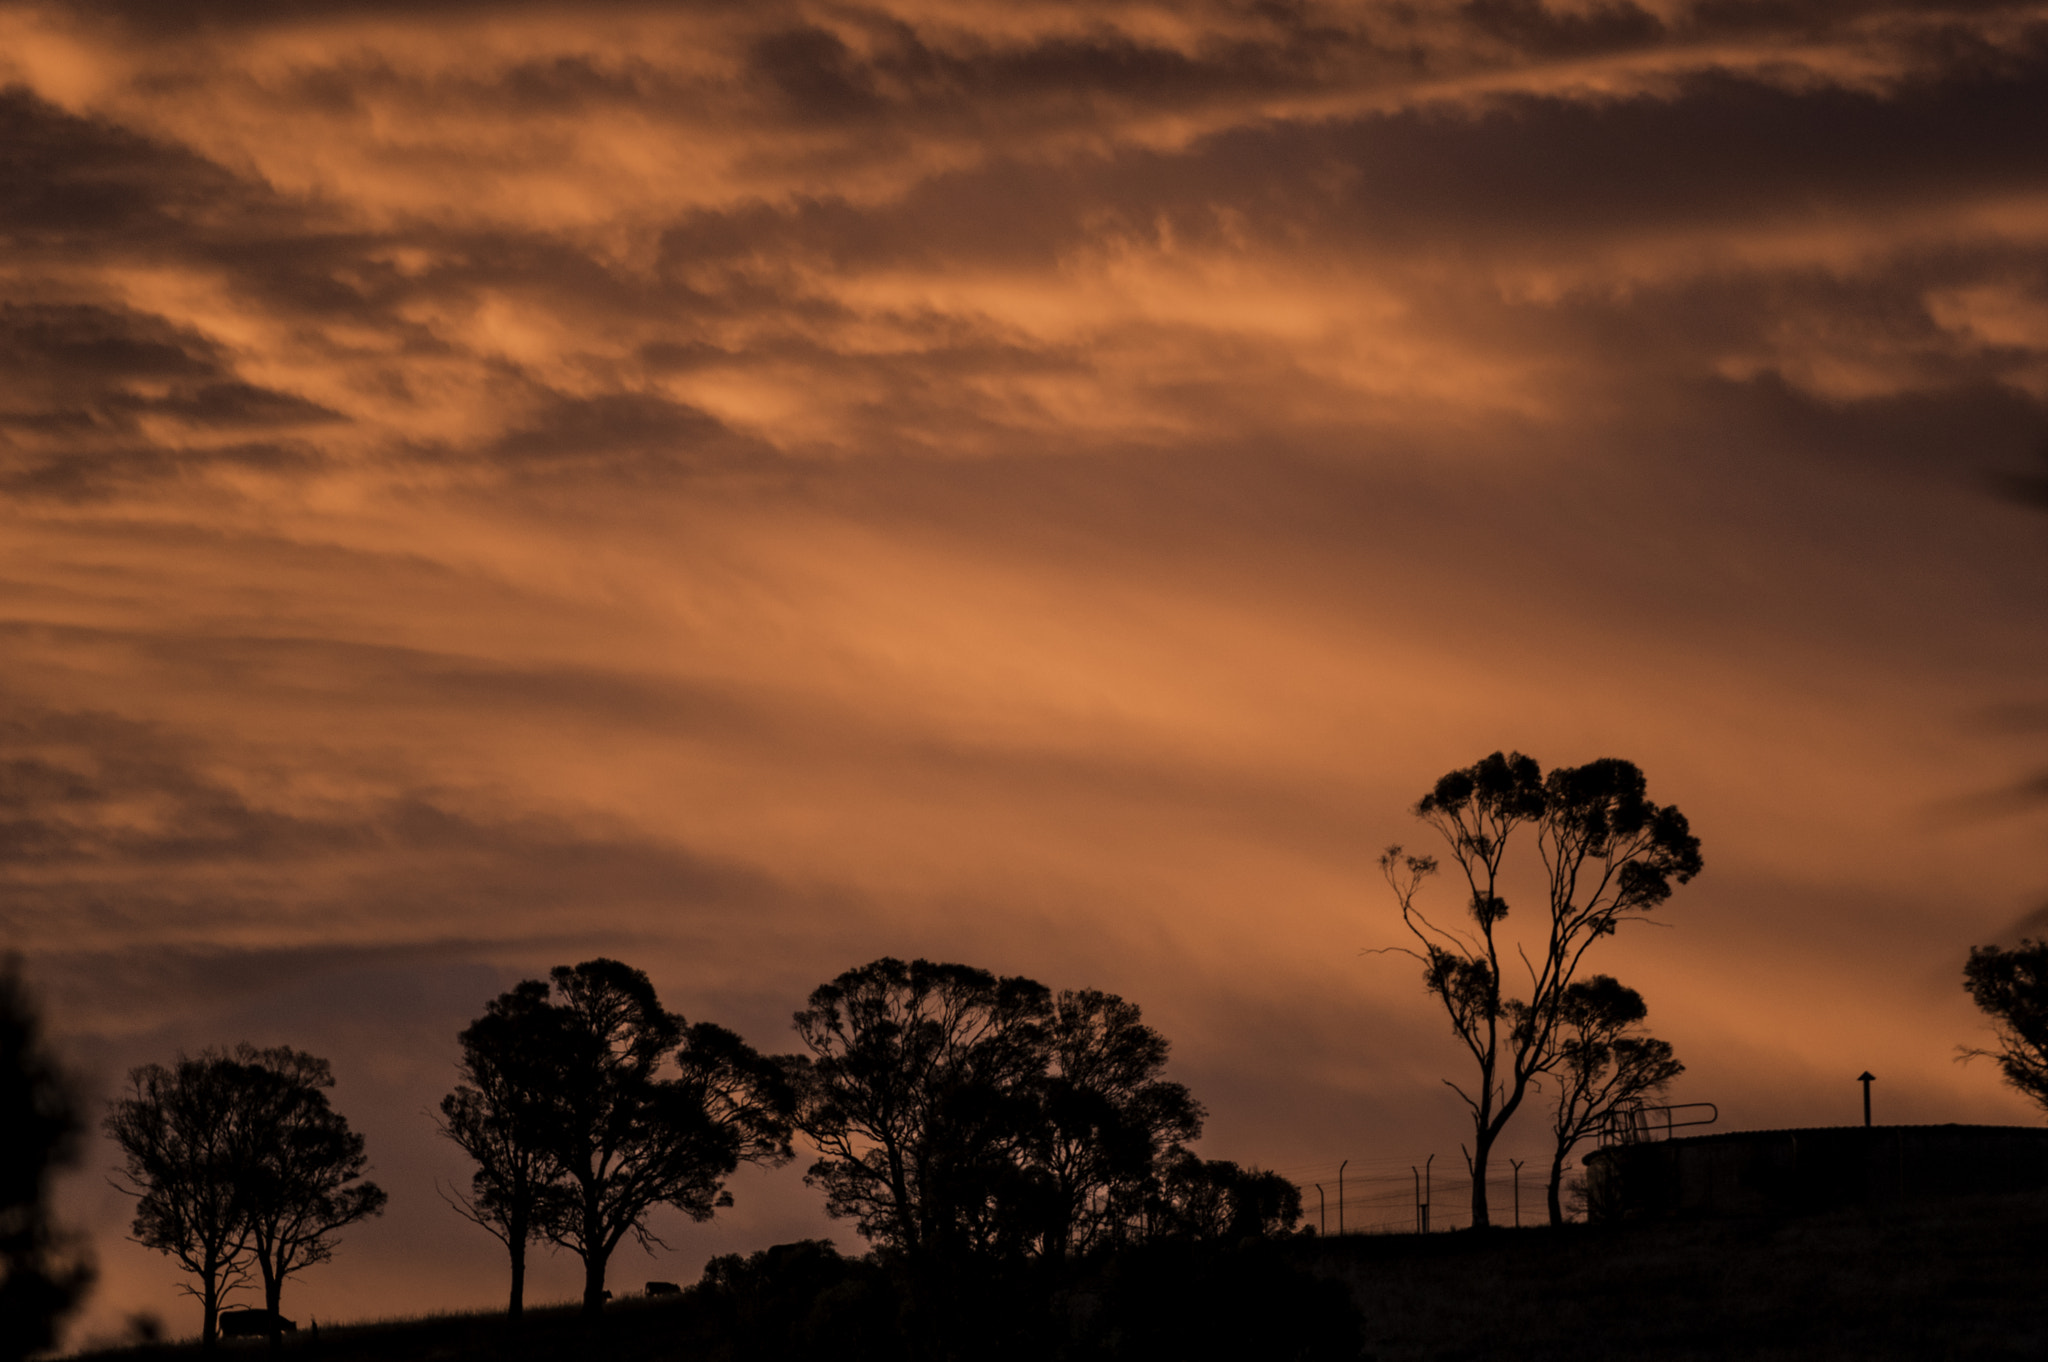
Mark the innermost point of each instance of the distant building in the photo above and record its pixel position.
(1754, 1172)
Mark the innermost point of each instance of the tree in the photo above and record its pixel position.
(1109, 1119)
(621, 1138)
(1216, 1199)
(1609, 856)
(919, 1096)
(40, 1277)
(183, 1135)
(498, 1116)
(963, 1117)
(2011, 988)
(236, 1160)
(1601, 1066)
(302, 1182)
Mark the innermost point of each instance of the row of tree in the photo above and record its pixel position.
(972, 1127)
(957, 1118)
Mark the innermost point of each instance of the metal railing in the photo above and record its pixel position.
(1635, 1123)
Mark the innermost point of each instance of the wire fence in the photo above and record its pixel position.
(1379, 1197)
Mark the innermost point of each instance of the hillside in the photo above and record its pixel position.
(1966, 1278)
(1958, 1279)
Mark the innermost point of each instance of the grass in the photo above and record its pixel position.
(630, 1330)
(1963, 1278)
(1954, 1279)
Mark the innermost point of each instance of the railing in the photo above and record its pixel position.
(1634, 1123)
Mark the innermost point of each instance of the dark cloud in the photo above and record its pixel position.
(623, 429)
(86, 379)
(1531, 26)
(73, 179)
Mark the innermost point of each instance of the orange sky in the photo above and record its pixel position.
(750, 488)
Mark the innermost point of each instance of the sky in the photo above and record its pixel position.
(750, 488)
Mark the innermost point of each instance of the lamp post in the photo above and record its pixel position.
(1866, 1078)
(1340, 1196)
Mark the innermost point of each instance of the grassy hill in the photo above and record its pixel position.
(1966, 1278)
(1955, 1279)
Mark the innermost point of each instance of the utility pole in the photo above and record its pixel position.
(1340, 1196)
(1518, 1191)
(1322, 1212)
(1866, 1078)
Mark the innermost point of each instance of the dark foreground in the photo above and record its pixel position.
(1959, 1279)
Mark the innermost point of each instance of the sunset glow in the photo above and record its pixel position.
(746, 489)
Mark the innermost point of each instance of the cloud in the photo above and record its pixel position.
(751, 488)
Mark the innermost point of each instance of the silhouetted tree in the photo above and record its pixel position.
(236, 1159)
(499, 1116)
(1601, 1065)
(921, 1098)
(302, 1182)
(1110, 1120)
(40, 1276)
(1216, 1199)
(1610, 856)
(2011, 988)
(185, 1136)
(625, 1139)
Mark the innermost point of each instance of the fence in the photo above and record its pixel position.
(1380, 1197)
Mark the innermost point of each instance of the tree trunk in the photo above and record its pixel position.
(1556, 1179)
(518, 1305)
(515, 1239)
(209, 1306)
(273, 1292)
(593, 1283)
(1482, 1147)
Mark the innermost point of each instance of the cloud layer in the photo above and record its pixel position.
(748, 488)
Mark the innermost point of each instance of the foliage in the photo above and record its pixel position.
(1109, 1119)
(1220, 1200)
(40, 1277)
(186, 1147)
(302, 1182)
(919, 1097)
(498, 1116)
(614, 1106)
(236, 1160)
(960, 1116)
(2011, 988)
(802, 1300)
(1602, 1065)
(1609, 854)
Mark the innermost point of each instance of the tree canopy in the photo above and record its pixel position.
(588, 1110)
(498, 1115)
(1603, 1064)
(2011, 988)
(957, 1114)
(302, 1182)
(237, 1161)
